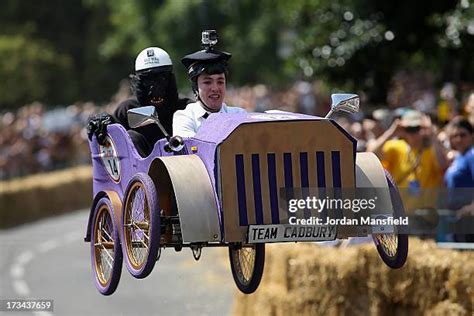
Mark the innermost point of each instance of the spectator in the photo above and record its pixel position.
(416, 159)
(448, 106)
(469, 108)
(461, 172)
(460, 175)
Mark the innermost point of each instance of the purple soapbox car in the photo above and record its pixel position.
(224, 187)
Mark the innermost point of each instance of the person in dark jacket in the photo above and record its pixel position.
(153, 83)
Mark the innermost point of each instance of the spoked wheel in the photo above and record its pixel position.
(247, 264)
(393, 248)
(141, 226)
(106, 253)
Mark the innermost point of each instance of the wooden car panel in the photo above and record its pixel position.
(259, 159)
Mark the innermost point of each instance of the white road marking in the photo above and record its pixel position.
(25, 257)
(48, 245)
(17, 270)
(21, 288)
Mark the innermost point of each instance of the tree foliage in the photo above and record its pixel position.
(61, 51)
(48, 52)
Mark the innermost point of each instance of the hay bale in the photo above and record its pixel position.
(419, 284)
(306, 279)
(327, 280)
(30, 198)
(447, 308)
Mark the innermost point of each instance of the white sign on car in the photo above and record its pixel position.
(108, 154)
(282, 233)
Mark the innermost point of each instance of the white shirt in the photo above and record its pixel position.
(187, 122)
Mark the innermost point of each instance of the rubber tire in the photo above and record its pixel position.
(401, 255)
(151, 197)
(113, 282)
(257, 269)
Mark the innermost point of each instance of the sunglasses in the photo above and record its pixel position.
(412, 129)
(460, 135)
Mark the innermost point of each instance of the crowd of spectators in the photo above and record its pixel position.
(35, 139)
(427, 147)
(422, 136)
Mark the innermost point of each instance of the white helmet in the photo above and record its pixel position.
(152, 57)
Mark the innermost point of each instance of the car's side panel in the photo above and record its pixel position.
(117, 208)
(118, 149)
(197, 206)
(258, 161)
(370, 174)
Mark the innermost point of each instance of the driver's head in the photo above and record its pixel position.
(153, 82)
(207, 70)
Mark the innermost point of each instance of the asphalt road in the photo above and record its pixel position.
(50, 260)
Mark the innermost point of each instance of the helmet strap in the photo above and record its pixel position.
(198, 98)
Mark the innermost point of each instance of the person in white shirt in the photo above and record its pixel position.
(207, 70)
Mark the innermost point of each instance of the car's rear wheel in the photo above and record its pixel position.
(393, 248)
(247, 263)
(106, 253)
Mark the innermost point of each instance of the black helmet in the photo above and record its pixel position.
(206, 60)
(210, 61)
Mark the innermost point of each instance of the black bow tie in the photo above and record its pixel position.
(206, 115)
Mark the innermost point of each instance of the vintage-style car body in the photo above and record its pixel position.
(227, 186)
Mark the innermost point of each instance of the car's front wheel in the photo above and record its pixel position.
(247, 263)
(393, 248)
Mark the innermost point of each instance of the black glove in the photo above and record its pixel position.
(97, 126)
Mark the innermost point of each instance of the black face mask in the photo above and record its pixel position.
(154, 86)
(151, 88)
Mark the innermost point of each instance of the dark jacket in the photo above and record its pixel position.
(151, 132)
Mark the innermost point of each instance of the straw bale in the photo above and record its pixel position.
(327, 280)
(420, 283)
(460, 282)
(447, 308)
(306, 279)
(26, 199)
